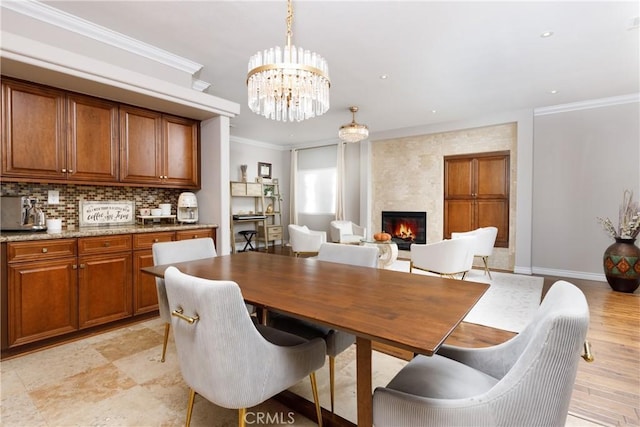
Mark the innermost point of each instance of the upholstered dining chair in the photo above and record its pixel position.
(447, 258)
(526, 381)
(172, 252)
(337, 341)
(224, 356)
(305, 241)
(346, 232)
(485, 241)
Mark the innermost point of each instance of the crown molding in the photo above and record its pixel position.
(200, 85)
(585, 105)
(66, 21)
(260, 144)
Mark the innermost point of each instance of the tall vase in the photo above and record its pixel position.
(622, 265)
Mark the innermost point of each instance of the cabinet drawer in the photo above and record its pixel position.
(146, 240)
(41, 249)
(194, 234)
(104, 244)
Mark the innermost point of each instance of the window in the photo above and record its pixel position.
(316, 183)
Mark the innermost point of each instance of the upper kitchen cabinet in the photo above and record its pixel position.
(56, 136)
(33, 131)
(93, 139)
(158, 149)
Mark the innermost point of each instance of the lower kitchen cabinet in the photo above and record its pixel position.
(52, 288)
(39, 290)
(43, 300)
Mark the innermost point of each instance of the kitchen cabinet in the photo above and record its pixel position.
(52, 135)
(41, 291)
(56, 136)
(158, 149)
(104, 279)
(52, 289)
(33, 131)
(145, 295)
(477, 193)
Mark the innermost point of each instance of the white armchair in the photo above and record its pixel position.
(446, 258)
(485, 240)
(346, 232)
(305, 241)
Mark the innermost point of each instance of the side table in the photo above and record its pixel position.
(388, 251)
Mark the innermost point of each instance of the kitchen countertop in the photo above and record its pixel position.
(21, 236)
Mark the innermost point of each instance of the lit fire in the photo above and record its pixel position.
(404, 232)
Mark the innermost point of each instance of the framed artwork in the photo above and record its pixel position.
(264, 170)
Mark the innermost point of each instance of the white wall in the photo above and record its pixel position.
(583, 161)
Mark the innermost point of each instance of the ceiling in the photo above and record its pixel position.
(445, 61)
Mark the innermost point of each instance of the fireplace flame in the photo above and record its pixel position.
(404, 232)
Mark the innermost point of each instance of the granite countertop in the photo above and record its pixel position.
(20, 236)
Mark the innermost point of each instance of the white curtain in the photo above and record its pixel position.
(340, 182)
(293, 210)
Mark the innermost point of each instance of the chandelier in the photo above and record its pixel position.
(289, 83)
(353, 132)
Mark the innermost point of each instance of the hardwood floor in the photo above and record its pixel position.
(607, 391)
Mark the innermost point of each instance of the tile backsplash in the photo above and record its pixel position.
(70, 196)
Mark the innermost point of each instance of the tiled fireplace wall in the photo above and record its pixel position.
(70, 196)
(408, 175)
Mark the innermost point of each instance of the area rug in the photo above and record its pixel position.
(509, 303)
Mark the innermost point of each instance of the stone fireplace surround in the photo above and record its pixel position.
(408, 174)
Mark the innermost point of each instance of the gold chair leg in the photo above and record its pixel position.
(192, 396)
(316, 400)
(332, 376)
(242, 412)
(166, 338)
(486, 266)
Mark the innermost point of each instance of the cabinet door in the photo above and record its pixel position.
(42, 300)
(145, 295)
(33, 122)
(141, 146)
(104, 288)
(181, 152)
(93, 139)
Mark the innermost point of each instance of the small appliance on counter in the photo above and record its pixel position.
(187, 208)
(21, 213)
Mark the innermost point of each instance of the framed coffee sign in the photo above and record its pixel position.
(106, 213)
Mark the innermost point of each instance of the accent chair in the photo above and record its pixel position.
(305, 241)
(447, 258)
(485, 241)
(346, 232)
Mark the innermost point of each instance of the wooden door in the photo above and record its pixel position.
(33, 129)
(104, 288)
(477, 193)
(181, 152)
(42, 300)
(93, 139)
(140, 146)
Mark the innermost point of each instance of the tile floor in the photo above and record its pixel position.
(117, 379)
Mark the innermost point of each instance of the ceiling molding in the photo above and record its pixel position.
(259, 144)
(58, 18)
(200, 85)
(585, 105)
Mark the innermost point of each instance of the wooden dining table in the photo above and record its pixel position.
(408, 311)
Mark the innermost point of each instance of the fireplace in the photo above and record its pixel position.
(405, 227)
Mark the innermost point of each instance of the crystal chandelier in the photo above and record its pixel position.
(353, 132)
(289, 83)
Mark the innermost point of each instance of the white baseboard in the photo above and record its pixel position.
(569, 274)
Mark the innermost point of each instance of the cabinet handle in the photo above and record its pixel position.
(82, 266)
(70, 170)
(74, 266)
(195, 236)
(107, 244)
(156, 240)
(64, 171)
(45, 250)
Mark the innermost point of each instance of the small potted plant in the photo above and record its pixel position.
(621, 260)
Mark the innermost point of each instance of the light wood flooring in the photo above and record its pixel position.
(607, 391)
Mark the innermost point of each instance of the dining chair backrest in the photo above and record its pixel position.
(365, 256)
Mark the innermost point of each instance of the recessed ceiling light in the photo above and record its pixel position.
(384, 76)
(546, 34)
(434, 111)
(553, 91)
